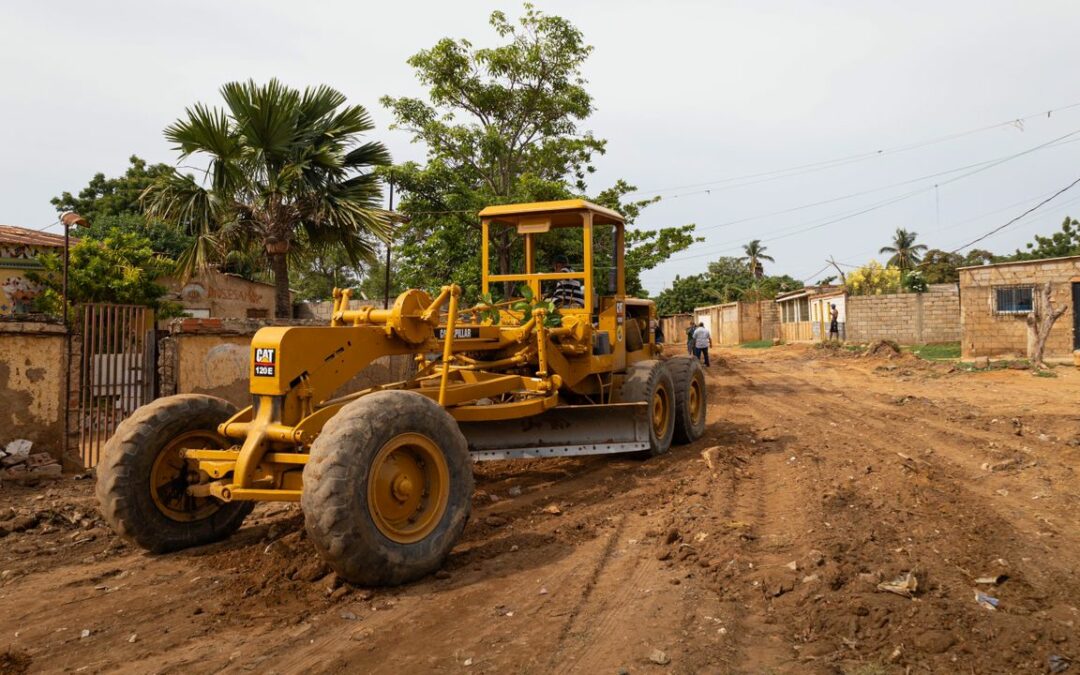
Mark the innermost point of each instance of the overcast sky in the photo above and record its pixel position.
(686, 94)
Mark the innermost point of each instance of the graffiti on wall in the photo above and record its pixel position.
(18, 251)
(17, 294)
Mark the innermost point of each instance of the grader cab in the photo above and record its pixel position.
(384, 475)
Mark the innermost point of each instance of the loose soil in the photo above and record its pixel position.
(824, 474)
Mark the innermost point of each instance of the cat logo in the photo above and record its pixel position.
(264, 362)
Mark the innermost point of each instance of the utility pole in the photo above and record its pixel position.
(386, 280)
(68, 219)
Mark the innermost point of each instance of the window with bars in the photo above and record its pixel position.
(1014, 299)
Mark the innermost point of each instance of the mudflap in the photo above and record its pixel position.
(562, 432)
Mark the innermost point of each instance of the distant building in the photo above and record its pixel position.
(19, 251)
(996, 299)
(804, 314)
(213, 294)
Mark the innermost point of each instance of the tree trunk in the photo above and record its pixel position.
(279, 266)
(1039, 322)
(502, 248)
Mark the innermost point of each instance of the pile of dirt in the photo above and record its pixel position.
(882, 349)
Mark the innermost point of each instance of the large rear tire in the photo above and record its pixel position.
(142, 480)
(650, 382)
(690, 398)
(387, 489)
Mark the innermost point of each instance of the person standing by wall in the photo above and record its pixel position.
(834, 322)
(702, 342)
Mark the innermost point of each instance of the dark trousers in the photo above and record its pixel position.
(702, 352)
(690, 348)
(834, 329)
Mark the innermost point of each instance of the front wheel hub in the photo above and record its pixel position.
(408, 488)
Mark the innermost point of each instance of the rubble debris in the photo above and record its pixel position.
(659, 657)
(553, 509)
(17, 463)
(995, 580)
(1058, 664)
(905, 584)
(710, 456)
(514, 491)
(986, 601)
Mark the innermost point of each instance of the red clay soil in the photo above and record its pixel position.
(830, 474)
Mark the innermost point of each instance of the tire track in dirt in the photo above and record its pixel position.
(947, 491)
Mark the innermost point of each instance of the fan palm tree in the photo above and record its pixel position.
(754, 254)
(906, 254)
(287, 171)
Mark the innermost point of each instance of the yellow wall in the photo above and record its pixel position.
(32, 360)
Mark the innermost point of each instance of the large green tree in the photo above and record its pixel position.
(113, 196)
(110, 204)
(288, 172)
(940, 267)
(904, 252)
(1064, 242)
(119, 267)
(502, 125)
(728, 279)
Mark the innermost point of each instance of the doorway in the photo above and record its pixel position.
(1076, 314)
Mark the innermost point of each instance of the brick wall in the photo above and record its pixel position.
(674, 328)
(907, 318)
(734, 323)
(770, 319)
(987, 333)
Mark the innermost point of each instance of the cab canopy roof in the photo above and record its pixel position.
(563, 213)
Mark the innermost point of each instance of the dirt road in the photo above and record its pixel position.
(831, 473)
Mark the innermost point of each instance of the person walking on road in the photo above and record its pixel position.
(834, 322)
(702, 342)
(690, 339)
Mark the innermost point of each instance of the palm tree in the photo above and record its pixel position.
(905, 252)
(755, 253)
(286, 172)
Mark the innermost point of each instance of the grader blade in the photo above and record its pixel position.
(562, 432)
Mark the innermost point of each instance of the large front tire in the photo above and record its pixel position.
(690, 398)
(650, 382)
(142, 480)
(387, 489)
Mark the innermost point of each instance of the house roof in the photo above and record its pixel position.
(10, 234)
(1022, 262)
(807, 291)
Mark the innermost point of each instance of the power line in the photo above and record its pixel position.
(1054, 143)
(1013, 220)
(831, 220)
(857, 157)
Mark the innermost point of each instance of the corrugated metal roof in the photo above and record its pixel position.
(9, 234)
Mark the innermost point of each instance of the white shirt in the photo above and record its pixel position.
(702, 337)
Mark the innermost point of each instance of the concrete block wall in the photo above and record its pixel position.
(987, 333)
(907, 318)
(769, 319)
(674, 328)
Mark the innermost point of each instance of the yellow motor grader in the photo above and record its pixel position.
(383, 475)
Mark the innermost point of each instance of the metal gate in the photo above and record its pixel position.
(118, 371)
